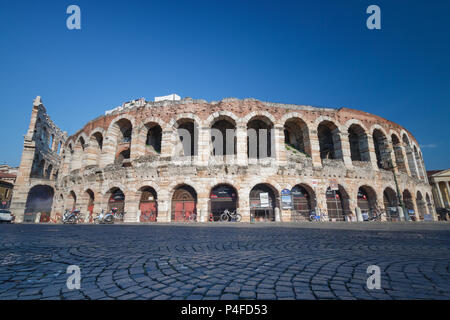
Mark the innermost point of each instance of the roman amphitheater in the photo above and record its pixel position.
(268, 161)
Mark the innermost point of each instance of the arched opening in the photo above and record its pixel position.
(39, 199)
(409, 203)
(116, 199)
(381, 149)
(184, 204)
(260, 138)
(187, 131)
(123, 156)
(329, 141)
(122, 130)
(148, 205)
(153, 139)
(367, 202)
(390, 202)
(222, 196)
(89, 195)
(421, 205)
(359, 146)
(263, 201)
(410, 156)
(96, 144)
(337, 204)
(399, 160)
(223, 137)
(303, 201)
(38, 168)
(296, 136)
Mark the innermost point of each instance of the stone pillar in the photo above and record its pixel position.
(277, 215)
(401, 214)
(244, 206)
(372, 154)
(137, 146)
(359, 216)
(405, 159)
(280, 148)
(315, 149)
(167, 143)
(131, 207)
(204, 146)
(345, 147)
(109, 151)
(241, 146)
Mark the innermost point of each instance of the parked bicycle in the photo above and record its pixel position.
(317, 216)
(228, 215)
(148, 216)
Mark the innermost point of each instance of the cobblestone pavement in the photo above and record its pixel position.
(303, 261)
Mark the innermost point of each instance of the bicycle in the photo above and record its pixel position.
(148, 216)
(230, 216)
(317, 218)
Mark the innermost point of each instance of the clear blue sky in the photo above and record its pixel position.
(304, 52)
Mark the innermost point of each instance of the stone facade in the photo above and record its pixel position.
(137, 147)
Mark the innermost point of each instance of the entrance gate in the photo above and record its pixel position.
(222, 197)
(184, 204)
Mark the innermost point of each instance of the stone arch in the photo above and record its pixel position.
(148, 204)
(39, 200)
(115, 198)
(223, 139)
(409, 202)
(359, 143)
(367, 201)
(390, 202)
(150, 136)
(296, 134)
(222, 196)
(338, 203)
(381, 146)
(260, 114)
(330, 145)
(95, 150)
(183, 203)
(429, 204)
(304, 200)
(219, 115)
(398, 153)
(260, 137)
(264, 199)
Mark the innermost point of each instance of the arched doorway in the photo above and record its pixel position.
(390, 204)
(89, 194)
(222, 197)
(148, 205)
(263, 201)
(359, 146)
(337, 204)
(116, 200)
(409, 204)
(184, 204)
(429, 205)
(303, 202)
(39, 200)
(367, 202)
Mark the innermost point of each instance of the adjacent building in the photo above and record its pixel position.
(440, 183)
